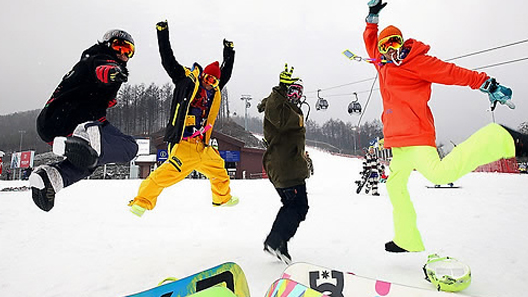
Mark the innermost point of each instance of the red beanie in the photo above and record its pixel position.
(213, 69)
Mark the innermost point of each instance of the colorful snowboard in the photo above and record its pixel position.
(339, 284)
(213, 292)
(289, 288)
(228, 275)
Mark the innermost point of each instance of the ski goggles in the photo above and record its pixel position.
(294, 91)
(393, 41)
(211, 80)
(123, 47)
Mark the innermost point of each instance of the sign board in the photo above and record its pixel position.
(144, 146)
(230, 156)
(162, 155)
(22, 159)
(26, 159)
(214, 143)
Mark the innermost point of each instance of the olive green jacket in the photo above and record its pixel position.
(285, 135)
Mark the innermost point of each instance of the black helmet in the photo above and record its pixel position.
(119, 41)
(117, 34)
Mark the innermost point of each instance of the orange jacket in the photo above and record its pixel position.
(406, 90)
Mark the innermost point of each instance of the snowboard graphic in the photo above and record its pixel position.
(341, 284)
(214, 292)
(289, 288)
(228, 275)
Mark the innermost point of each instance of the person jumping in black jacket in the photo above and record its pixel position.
(195, 106)
(74, 120)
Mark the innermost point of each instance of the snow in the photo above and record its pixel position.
(91, 245)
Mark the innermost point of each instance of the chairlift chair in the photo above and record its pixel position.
(321, 104)
(354, 107)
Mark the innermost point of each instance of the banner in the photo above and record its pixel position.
(26, 159)
(15, 160)
(22, 159)
(1, 161)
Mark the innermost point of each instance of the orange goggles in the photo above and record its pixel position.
(393, 41)
(123, 47)
(211, 80)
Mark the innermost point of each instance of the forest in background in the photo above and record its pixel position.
(143, 110)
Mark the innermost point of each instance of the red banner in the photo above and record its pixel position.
(26, 159)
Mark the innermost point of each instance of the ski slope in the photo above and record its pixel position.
(91, 245)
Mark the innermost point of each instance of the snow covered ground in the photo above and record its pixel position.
(91, 245)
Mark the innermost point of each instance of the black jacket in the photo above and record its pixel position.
(80, 96)
(186, 83)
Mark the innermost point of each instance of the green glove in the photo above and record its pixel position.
(163, 25)
(286, 76)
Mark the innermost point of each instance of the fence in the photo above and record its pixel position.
(503, 166)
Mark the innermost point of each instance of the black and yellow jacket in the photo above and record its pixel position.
(187, 84)
(285, 135)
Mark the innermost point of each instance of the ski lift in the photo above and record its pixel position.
(354, 107)
(321, 103)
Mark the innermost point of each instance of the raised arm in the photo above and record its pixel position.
(227, 65)
(173, 68)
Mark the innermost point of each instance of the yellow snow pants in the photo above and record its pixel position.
(489, 144)
(185, 157)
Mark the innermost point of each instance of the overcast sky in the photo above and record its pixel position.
(42, 40)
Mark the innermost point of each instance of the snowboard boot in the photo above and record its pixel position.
(393, 248)
(77, 150)
(271, 244)
(521, 142)
(276, 247)
(231, 202)
(137, 210)
(45, 182)
(282, 253)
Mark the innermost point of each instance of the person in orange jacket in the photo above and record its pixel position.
(406, 73)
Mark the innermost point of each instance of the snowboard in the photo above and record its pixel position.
(214, 292)
(15, 189)
(228, 275)
(340, 284)
(443, 187)
(361, 183)
(289, 288)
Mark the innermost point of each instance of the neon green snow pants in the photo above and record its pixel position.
(489, 144)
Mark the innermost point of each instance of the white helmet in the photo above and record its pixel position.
(295, 91)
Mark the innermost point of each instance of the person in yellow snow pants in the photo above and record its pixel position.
(491, 143)
(187, 156)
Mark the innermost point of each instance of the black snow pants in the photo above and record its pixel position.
(116, 147)
(292, 213)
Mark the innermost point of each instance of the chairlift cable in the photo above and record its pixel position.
(487, 50)
(368, 100)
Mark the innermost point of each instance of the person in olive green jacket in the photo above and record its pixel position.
(284, 161)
